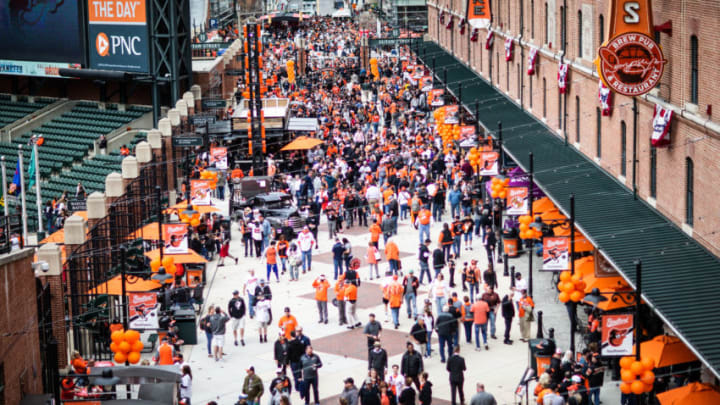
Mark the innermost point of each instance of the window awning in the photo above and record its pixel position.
(680, 278)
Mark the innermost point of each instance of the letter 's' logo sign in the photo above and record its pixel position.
(102, 44)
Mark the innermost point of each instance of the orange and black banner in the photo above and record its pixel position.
(478, 13)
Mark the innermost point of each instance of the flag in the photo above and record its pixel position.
(16, 180)
(31, 170)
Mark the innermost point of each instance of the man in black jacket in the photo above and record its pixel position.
(444, 326)
(423, 257)
(438, 259)
(280, 352)
(456, 368)
(508, 313)
(411, 364)
(236, 310)
(369, 393)
(280, 383)
(377, 360)
(295, 350)
(407, 396)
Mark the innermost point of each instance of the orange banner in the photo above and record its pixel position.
(630, 16)
(478, 13)
(117, 11)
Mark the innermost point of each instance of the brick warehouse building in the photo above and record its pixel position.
(677, 180)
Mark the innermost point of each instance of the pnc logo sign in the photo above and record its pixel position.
(102, 45)
(118, 45)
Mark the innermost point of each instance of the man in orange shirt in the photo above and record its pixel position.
(287, 323)
(271, 260)
(165, 353)
(375, 232)
(525, 312)
(392, 254)
(480, 310)
(321, 286)
(395, 291)
(422, 222)
(340, 296)
(351, 305)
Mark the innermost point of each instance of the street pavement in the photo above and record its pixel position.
(343, 352)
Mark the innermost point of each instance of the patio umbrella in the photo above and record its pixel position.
(302, 143)
(615, 291)
(202, 209)
(189, 257)
(691, 394)
(667, 351)
(581, 242)
(542, 205)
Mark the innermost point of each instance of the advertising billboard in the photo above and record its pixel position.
(175, 237)
(118, 35)
(617, 335)
(42, 31)
(556, 253)
(143, 308)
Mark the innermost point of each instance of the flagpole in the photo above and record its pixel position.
(4, 185)
(38, 198)
(22, 193)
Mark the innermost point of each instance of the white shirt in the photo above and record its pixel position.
(519, 286)
(186, 386)
(398, 381)
(439, 288)
(306, 240)
(262, 309)
(403, 197)
(255, 231)
(250, 284)
(373, 193)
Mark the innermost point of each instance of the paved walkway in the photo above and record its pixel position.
(341, 350)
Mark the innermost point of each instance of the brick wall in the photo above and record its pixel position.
(689, 140)
(19, 341)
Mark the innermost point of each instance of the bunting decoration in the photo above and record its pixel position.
(490, 39)
(605, 96)
(532, 56)
(442, 16)
(562, 77)
(474, 35)
(461, 26)
(450, 23)
(508, 49)
(661, 126)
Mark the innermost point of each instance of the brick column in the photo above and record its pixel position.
(75, 230)
(95, 208)
(51, 254)
(114, 188)
(197, 94)
(190, 102)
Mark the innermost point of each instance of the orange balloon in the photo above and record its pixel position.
(113, 347)
(525, 227)
(117, 336)
(120, 357)
(637, 387)
(565, 276)
(576, 296)
(566, 286)
(195, 222)
(648, 377)
(167, 261)
(502, 194)
(575, 278)
(133, 357)
(627, 376)
(506, 181)
(132, 336)
(137, 346)
(648, 363)
(155, 265)
(494, 194)
(124, 346)
(564, 297)
(637, 368)
(626, 362)
(649, 387)
(171, 269)
(580, 285)
(625, 388)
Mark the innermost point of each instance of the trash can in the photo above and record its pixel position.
(541, 350)
(187, 325)
(510, 242)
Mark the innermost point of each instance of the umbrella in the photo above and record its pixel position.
(581, 242)
(542, 205)
(148, 232)
(667, 351)
(114, 286)
(607, 287)
(189, 257)
(302, 143)
(202, 209)
(691, 394)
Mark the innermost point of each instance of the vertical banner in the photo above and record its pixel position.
(617, 335)
(143, 309)
(118, 30)
(517, 200)
(452, 114)
(426, 83)
(435, 97)
(194, 278)
(175, 237)
(200, 192)
(556, 253)
(467, 136)
(478, 13)
(489, 162)
(218, 156)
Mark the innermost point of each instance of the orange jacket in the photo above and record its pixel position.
(321, 288)
(424, 216)
(340, 290)
(396, 294)
(375, 232)
(391, 251)
(287, 323)
(350, 292)
(271, 255)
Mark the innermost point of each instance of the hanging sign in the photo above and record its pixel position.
(661, 126)
(474, 35)
(218, 156)
(508, 49)
(605, 96)
(461, 26)
(143, 310)
(449, 25)
(435, 97)
(478, 13)
(452, 114)
(532, 56)
(489, 40)
(194, 278)
(562, 77)
(556, 253)
(426, 83)
(200, 192)
(617, 335)
(516, 200)
(489, 163)
(175, 237)
(630, 62)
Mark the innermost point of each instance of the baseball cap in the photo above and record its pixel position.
(411, 271)
(558, 351)
(250, 368)
(236, 292)
(576, 379)
(279, 370)
(242, 396)
(287, 309)
(349, 380)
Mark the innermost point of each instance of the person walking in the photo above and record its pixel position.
(489, 241)
(467, 318)
(418, 334)
(423, 258)
(280, 387)
(444, 326)
(377, 360)
(271, 262)
(186, 384)
(526, 314)
(482, 397)
(369, 394)
(340, 299)
(456, 368)
(480, 310)
(217, 325)
(350, 392)
(410, 288)
(411, 364)
(471, 277)
(508, 313)
(310, 365)
(253, 387)
(438, 259)
(294, 261)
(372, 332)
(264, 316)
(392, 253)
(395, 292)
(372, 257)
(280, 353)
(439, 291)
(296, 349)
(287, 323)
(225, 252)
(351, 305)
(407, 396)
(425, 395)
(205, 326)
(446, 241)
(337, 251)
(422, 223)
(251, 283)
(306, 241)
(236, 310)
(321, 286)
(493, 300)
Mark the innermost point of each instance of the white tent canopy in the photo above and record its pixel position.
(342, 13)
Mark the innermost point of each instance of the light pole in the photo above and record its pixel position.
(531, 192)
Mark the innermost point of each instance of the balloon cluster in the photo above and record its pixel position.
(168, 262)
(209, 175)
(193, 220)
(126, 345)
(636, 375)
(571, 286)
(449, 133)
(473, 156)
(290, 65)
(526, 231)
(374, 68)
(498, 187)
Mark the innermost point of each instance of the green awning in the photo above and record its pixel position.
(680, 278)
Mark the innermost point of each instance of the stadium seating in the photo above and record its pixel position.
(11, 111)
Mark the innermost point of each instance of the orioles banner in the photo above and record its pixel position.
(617, 335)
(630, 62)
(478, 13)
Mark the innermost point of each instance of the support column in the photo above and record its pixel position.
(96, 208)
(52, 255)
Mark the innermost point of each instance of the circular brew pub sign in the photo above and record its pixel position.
(631, 63)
